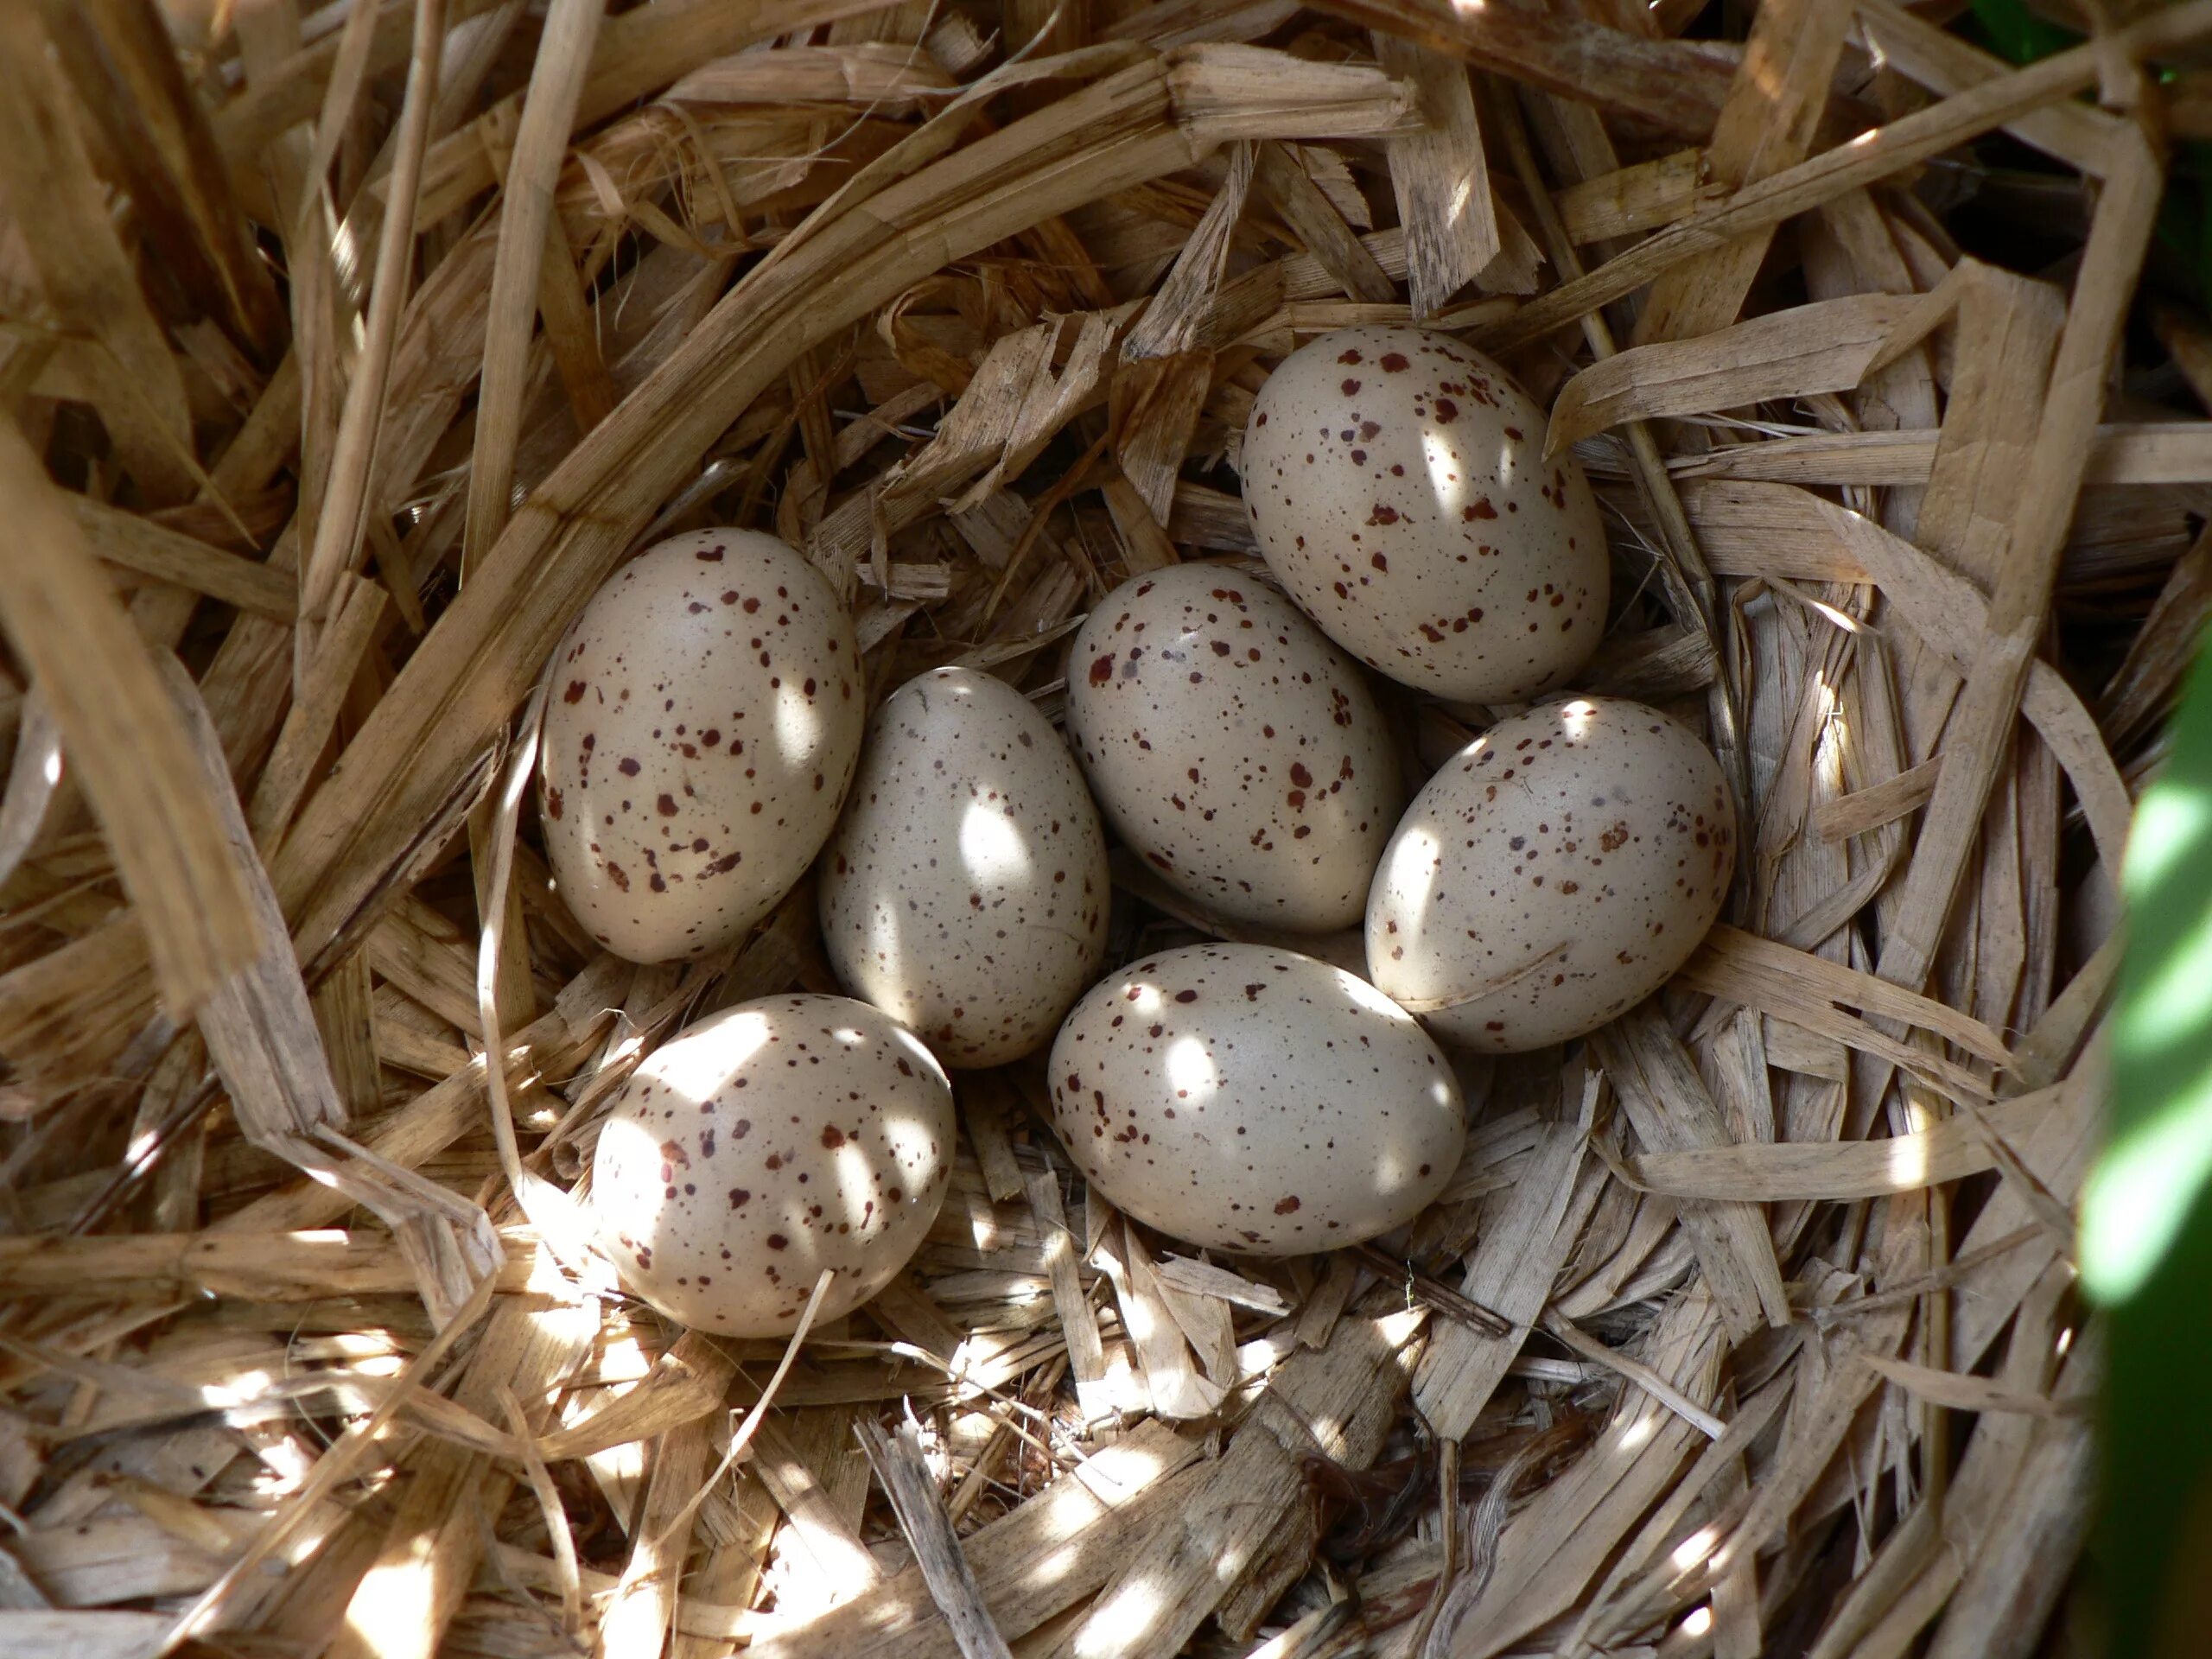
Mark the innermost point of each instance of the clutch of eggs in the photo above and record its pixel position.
(706, 728)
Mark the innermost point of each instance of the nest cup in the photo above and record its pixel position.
(351, 348)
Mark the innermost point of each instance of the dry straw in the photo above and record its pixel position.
(347, 347)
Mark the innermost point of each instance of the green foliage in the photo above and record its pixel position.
(2184, 228)
(2014, 32)
(2147, 1210)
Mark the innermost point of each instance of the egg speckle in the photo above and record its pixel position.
(1552, 874)
(966, 890)
(1397, 484)
(763, 1145)
(1235, 749)
(1251, 1099)
(704, 720)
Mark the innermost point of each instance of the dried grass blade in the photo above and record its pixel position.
(34, 773)
(1637, 1372)
(263, 1041)
(1658, 1086)
(341, 521)
(638, 53)
(131, 81)
(1776, 979)
(526, 215)
(1768, 122)
(308, 727)
(741, 1438)
(1977, 738)
(1177, 1389)
(1851, 1169)
(1560, 1540)
(1232, 1513)
(1510, 1272)
(555, 1516)
(2003, 1601)
(129, 746)
(2072, 132)
(1963, 1392)
(1086, 1522)
(2142, 687)
(1945, 610)
(47, 179)
(136, 543)
(1825, 347)
(435, 1541)
(1079, 1324)
(1679, 86)
(1316, 222)
(335, 1467)
(1169, 324)
(898, 1464)
(559, 1220)
(634, 1624)
(1642, 197)
(1439, 176)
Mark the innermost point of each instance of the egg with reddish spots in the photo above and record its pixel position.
(764, 1145)
(1552, 874)
(1246, 1098)
(1396, 483)
(1237, 751)
(704, 720)
(966, 891)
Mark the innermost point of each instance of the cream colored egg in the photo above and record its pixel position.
(773, 1140)
(1552, 874)
(1234, 748)
(704, 722)
(1246, 1098)
(1396, 484)
(965, 892)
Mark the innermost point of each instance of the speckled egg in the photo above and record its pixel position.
(705, 719)
(764, 1144)
(965, 892)
(1234, 748)
(1251, 1099)
(1396, 482)
(1554, 874)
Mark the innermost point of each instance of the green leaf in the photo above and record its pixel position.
(2012, 31)
(2146, 1208)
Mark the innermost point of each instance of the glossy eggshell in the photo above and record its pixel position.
(966, 891)
(763, 1145)
(1552, 874)
(1396, 484)
(1246, 1098)
(1234, 748)
(705, 718)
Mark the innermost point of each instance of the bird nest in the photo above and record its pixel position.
(348, 349)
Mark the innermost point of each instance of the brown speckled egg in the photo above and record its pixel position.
(1396, 483)
(1251, 1099)
(774, 1140)
(704, 722)
(1235, 749)
(965, 892)
(1554, 874)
